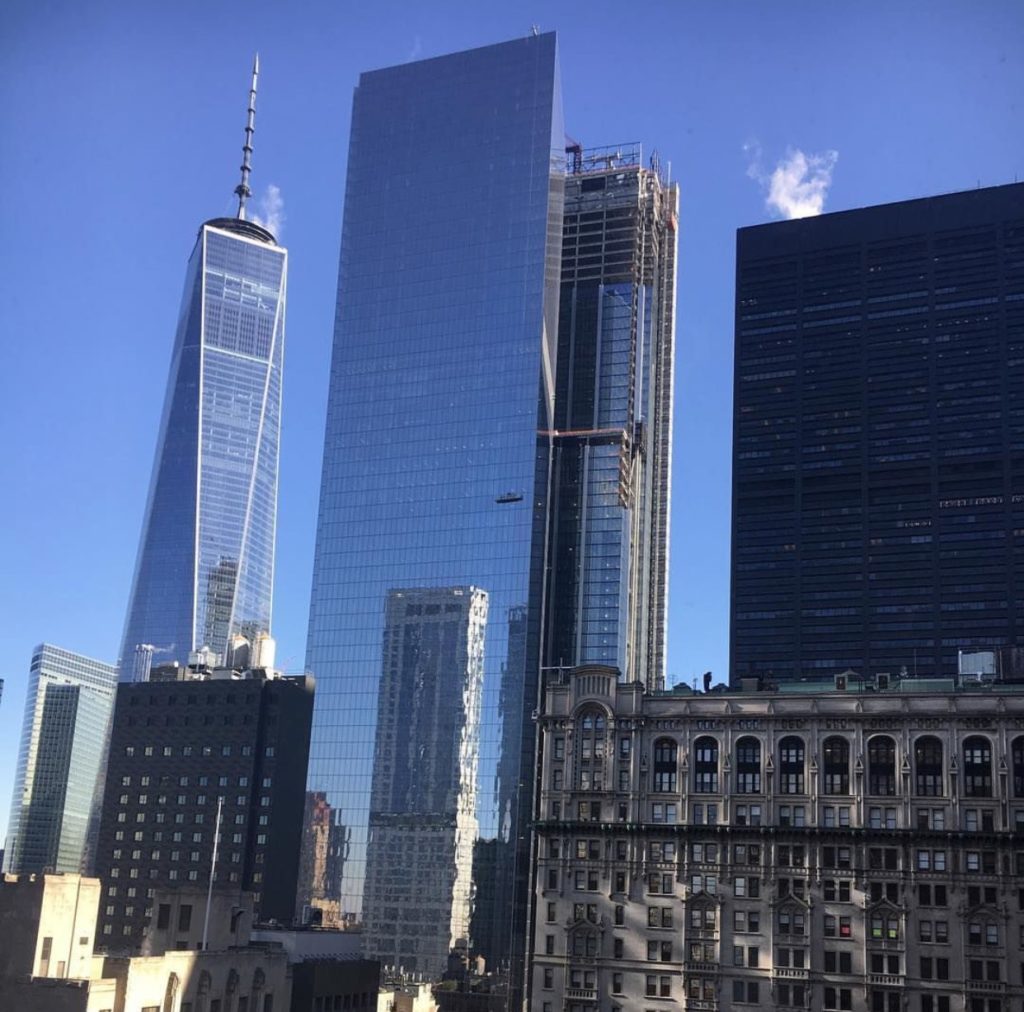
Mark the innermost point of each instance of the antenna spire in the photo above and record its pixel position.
(242, 189)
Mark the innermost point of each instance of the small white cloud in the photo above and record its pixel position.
(417, 48)
(798, 185)
(271, 215)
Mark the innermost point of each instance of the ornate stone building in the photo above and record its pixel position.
(855, 847)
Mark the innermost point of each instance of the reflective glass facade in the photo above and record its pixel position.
(58, 785)
(608, 574)
(205, 567)
(878, 482)
(435, 481)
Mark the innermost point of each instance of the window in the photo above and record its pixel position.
(933, 968)
(885, 926)
(661, 812)
(746, 992)
(979, 820)
(934, 1003)
(836, 890)
(746, 921)
(790, 922)
(185, 917)
(549, 977)
(838, 998)
(746, 886)
(705, 765)
(882, 765)
(791, 995)
(837, 765)
(931, 860)
(838, 927)
(590, 750)
(748, 766)
(792, 815)
(705, 814)
(702, 918)
(883, 858)
(746, 955)
(792, 754)
(747, 815)
(881, 818)
(977, 767)
(931, 895)
(659, 951)
(838, 961)
(665, 761)
(930, 818)
(836, 857)
(1017, 758)
(983, 933)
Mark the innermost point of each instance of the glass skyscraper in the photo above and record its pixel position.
(494, 498)
(878, 461)
(205, 566)
(57, 787)
(435, 475)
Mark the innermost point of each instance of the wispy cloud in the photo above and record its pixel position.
(417, 48)
(798, 185)
(271, 215)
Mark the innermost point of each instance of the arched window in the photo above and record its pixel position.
(837, 766)
(203, 992)
(792, 753)
(1017, 755)
(665, 758)
(881, 765)
(593, 731)
(705, 765)
(928, 767)
(978, 767)
(259, 982)
(748, 766)
(171, 992)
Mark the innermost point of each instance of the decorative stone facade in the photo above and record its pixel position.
(852, 849)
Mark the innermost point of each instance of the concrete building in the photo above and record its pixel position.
(47, 924)
(47, 962)
(180, 743)
(855, 848)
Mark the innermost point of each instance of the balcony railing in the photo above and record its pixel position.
(581, 994)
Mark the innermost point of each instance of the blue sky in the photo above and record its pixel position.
(120, 129)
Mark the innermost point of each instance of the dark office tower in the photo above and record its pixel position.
(423, 821)
(437, 448)
(205, 567)
(613, 417)
(878, 483)
(180, 742)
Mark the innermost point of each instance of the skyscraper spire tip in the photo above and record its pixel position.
(242, 189)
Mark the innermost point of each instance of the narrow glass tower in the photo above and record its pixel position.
(435, 477)
(205, 566)
(57, 787)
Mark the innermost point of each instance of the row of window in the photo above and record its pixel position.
(190, 750)
(791, 766)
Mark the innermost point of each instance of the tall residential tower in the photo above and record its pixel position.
(878, 480)
(58, 785)
(608, 551)
(205, 566)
